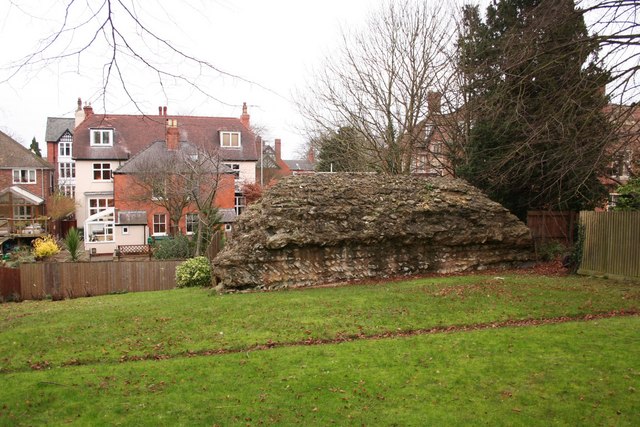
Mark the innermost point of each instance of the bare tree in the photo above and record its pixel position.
(122, 34)
(379, 82)
(203, 174)
(615, 27)
(59, 206)
(179, 181)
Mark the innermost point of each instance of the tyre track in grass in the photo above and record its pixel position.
(339, 339)
(394, 334)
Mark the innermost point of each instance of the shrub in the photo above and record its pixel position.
(551, 250)
(178, 247)
(573, 260)
(72, 242)
(194, 272)
(45, 246)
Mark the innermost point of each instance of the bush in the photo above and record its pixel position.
(45, 246)
(573, 260)
(178, 247)
(20, 255)
(72, 242)
(194, 272)
(551, 250)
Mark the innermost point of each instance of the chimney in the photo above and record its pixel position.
(278, 147)
(88, 110)
(434, 102)
(244, 118)
(172, 135)
(258, 145)
(164, 111)
(311, 155)
(79, 114)
(159, 111)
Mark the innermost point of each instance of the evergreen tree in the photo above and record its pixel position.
(35, 147)
(629, 196)
(341, 152)
(536, 97)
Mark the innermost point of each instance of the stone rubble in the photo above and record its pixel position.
(327, 228)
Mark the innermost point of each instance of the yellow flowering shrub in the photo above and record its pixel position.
(45, 246)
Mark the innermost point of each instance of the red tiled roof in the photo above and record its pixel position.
(133, 134)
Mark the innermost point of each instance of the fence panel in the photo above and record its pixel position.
(611, 245)
(80, 279)
(552, 226)
(9, 284)
(217, 242)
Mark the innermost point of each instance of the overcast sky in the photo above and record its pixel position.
(272, 45)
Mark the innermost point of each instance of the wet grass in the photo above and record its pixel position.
(75, 361)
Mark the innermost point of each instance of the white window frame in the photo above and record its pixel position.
(25, 176)
(101, 204)
(102, 168)
(65, 146)
(193, 223)
(125, 229)
(100, 228)
(68, 190)
(101, 137)
(159, 190)
(227, 139)
(240, 203)
(159, 221)
(67, 170)
(235, 167)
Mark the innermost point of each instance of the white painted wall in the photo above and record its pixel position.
(247, 172)
(137, 235)
(86, 184)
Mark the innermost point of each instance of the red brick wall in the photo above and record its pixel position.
(41, 188)
(130, 196)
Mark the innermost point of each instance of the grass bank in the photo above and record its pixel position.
(74, 361)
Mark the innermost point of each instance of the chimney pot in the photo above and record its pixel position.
(164, 110)
(245, 117)
(88, 110)
(80, 114)
(278, 148)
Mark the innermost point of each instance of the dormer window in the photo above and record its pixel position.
(64, 146)
(230, 139)
(101, 137)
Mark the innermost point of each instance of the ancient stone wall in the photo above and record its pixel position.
(327, 228)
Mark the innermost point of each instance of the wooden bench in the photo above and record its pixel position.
(124, 250)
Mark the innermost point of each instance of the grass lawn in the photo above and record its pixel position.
(75, 361)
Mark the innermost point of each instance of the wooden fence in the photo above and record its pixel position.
(9, 284)
(217, 243)
(548, 226)
(612, 244)
(60, 280)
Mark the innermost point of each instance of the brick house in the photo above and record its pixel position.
(274, 166)
(59, 140)
(26, 183)
(135, 182)
(106, 143)
(440, 139)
